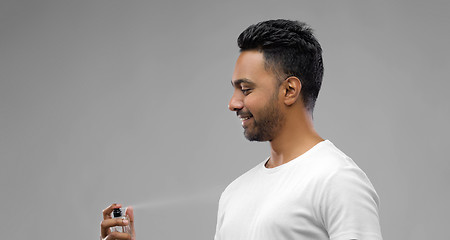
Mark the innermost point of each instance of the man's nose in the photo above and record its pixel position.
(235, 103)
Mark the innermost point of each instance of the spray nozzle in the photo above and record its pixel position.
(117, 212)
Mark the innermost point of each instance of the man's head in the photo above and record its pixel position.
(280, 63)
(289, 49)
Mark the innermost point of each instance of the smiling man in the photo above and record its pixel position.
(307, 188)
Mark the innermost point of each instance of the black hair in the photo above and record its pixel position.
(289, 49)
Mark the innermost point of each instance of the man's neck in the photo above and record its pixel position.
(296, 137)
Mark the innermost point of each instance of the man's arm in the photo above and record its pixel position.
(350, 205)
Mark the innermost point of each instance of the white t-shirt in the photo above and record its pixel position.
(321, 194)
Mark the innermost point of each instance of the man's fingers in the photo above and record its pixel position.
(118, 235)
(107, 223)
(129, 212)
(114, 222)
(107, 211)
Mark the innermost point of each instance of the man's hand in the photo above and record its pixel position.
(109, 222)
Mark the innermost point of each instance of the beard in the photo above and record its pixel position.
(267, 124)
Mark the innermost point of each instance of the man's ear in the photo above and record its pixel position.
(291, 87)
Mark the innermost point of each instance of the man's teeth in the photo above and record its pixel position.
(245, 118)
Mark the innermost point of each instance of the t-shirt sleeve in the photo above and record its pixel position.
(349, 206)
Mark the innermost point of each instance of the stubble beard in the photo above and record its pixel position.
(269, 122)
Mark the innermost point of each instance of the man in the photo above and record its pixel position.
(307, 188)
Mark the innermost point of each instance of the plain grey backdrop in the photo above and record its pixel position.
(125, 101)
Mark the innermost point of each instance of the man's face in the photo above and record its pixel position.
(255, 97)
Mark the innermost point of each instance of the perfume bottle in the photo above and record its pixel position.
(118, 213)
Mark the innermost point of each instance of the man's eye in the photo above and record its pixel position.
(246, 91)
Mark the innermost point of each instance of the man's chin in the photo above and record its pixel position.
(254, 137)
(249, 136)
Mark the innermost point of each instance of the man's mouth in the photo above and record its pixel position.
(244, 118)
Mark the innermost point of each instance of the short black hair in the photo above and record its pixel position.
(289, 49)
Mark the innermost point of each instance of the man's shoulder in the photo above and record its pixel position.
(327, 158)
(334, 166)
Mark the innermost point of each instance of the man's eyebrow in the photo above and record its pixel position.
(240, 81)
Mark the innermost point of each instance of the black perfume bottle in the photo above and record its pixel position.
(118, 213)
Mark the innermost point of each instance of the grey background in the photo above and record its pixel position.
(126, 101)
